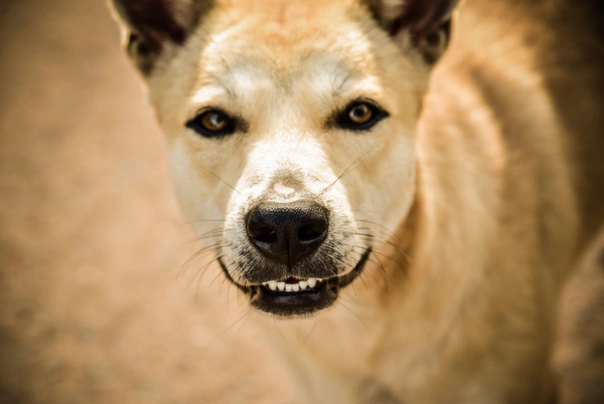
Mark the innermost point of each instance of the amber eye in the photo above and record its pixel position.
(360, 115)
(212, 123)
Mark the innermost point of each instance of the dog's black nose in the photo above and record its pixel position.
(287, 232)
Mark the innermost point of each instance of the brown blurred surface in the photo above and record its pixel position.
(581, 354)
(91, 242)
(92, 309)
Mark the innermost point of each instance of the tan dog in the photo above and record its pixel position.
(403, 259)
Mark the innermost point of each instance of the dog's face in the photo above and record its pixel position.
(291, 130)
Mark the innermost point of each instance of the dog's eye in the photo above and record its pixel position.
(360, 115)
(212, 123)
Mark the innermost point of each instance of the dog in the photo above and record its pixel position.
(407, 223)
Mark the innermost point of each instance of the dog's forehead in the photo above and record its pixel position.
(257, 48)
(289, 12)
(324, 74)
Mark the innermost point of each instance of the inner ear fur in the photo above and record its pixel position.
(152, 24)
(427, 22)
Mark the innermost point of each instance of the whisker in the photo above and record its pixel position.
(378, 264)
(218, 177)
(308, 336)
(188, 223)
(280, 333)
(355, 315)
(348, 169)
(373, 252)
(244, 320)
(398, 248)
(205, 220)
(387, 231)
(386, 235)
(208, 236)
(217, 230)
(234, 324)
(200, 253)
(216, 277)
(201, 274)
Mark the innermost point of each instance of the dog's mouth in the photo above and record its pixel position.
(297, 297)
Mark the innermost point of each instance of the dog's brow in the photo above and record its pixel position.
(221, 78)
(338, 86)
(338, 73)
(227, 79)
(230, 91)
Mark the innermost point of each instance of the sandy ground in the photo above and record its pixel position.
(92, 307)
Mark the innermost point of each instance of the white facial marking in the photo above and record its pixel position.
(283, 189)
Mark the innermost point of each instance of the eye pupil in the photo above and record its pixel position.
(360, 114)
(213, 121)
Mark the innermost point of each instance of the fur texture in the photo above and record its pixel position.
(467, 200)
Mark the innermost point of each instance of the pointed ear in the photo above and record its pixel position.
(427, 22)
(151, 25)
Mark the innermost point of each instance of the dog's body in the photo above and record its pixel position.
(442, 240)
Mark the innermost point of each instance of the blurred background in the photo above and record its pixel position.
(97, 301)
(96, 304)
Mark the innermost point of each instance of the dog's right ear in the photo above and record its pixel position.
(153, 25)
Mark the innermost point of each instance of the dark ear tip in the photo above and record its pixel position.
(419, 17)
(427, 22)
(154, 24)
(152, 19)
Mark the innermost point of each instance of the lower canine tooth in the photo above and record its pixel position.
(312, 282)
(288, 288)
(281, 285)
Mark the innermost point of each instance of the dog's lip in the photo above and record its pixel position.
(286, 304)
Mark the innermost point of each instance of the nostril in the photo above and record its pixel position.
(259, 230)
(263, 234)
(312, 232)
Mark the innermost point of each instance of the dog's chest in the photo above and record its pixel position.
(335, 358)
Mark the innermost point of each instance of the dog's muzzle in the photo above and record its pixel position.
(298, 280)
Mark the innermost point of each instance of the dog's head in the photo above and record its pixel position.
(291, 129)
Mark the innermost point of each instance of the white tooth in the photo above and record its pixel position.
(272, 285)
(303, 285)
(281, 285)
(288, 288)
(312, 282)
(296, 288)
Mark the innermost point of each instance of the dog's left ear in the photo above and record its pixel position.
(427, 22)
(154, 25)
